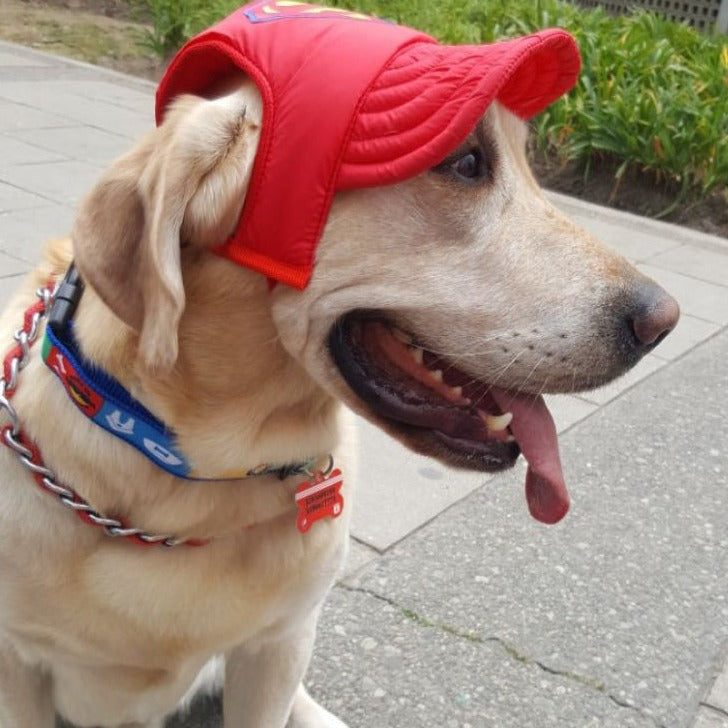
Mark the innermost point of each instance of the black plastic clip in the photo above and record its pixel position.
(66, 300)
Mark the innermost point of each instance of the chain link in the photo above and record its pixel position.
(28, 454)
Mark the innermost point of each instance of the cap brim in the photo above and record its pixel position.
(429, 98)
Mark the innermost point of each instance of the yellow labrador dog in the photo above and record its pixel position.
(440, 308)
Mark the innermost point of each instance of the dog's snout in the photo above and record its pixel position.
(654, 315)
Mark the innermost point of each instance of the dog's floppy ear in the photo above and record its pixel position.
(184, 184)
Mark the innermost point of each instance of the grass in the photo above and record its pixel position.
(87, 37)
(653, 93)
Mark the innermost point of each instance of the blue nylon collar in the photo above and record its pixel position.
(106, 402)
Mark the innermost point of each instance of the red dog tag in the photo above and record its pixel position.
(319, 498)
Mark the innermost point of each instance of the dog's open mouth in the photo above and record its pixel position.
(440, 410)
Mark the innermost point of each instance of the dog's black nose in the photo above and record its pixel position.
(654, 316)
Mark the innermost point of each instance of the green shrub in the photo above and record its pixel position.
(653, 93)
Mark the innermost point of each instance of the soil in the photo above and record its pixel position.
(103, 32)
(637, 192)
(109, 33)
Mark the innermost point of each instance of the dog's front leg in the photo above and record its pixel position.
(263, 685)
(307, 713)
(261, 682)
(25, 694)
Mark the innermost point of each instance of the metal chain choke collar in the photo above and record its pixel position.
(28, 454)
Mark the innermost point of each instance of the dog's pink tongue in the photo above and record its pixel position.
(535, 432)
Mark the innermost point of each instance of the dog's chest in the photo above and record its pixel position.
(153, 618)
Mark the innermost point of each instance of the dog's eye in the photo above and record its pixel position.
(468, 166)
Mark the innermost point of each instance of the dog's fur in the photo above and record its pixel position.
(110, 634)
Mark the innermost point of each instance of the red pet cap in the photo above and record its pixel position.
(351, 101)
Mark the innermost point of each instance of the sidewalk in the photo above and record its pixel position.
(456, 608)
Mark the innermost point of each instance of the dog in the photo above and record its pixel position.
(440, 307)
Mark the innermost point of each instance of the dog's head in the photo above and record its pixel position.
(440, 307)
(459, 298)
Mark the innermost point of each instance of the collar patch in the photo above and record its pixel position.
(266, 12)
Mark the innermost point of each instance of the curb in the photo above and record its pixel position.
(683, 235)
(713, 708)
(571, 205)
(125, 79)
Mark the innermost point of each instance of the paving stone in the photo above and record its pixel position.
(95, 146)
(13, 151)
(376, 664)
(398, 491)
(8, 286)
(707, 265)
(644, 368)
(10, 266)
(62, 182)
(708, 718)
(696, 298)
(718, 696)
(14, 198)
(24, 233)
(360, 556)
(631, 237)
(15, 116)
(628, 592)
(688, 333)
(139, 100)
(61, 97)
(14, 59)
(567, 410)
(672, 235)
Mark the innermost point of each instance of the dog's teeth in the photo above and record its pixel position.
(457, 391)
(496, 423)
(401, 336)
(510, 438)
(417, 354)
(436, 375)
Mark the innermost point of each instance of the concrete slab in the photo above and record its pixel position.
(63, 182)
(377, 664)
(10, 266)
(14, 59)
(587, 213)
(14, 151)
(628, 592)
(16, 116)
(360, 556)
(688, 333)
(14, 198)
(644, 368)
(140, 100)
(399, 491)
(62, 98)
(636, 245)
(707, 265)
(701, 299)
(24, 232)
(718, 695)
(8, 286)
(567, 410)
(708, 718)
(79, 142)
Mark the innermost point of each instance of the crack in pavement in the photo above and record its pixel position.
(510, 650)
(714, 708)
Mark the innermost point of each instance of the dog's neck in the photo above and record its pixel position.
(235, 398)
